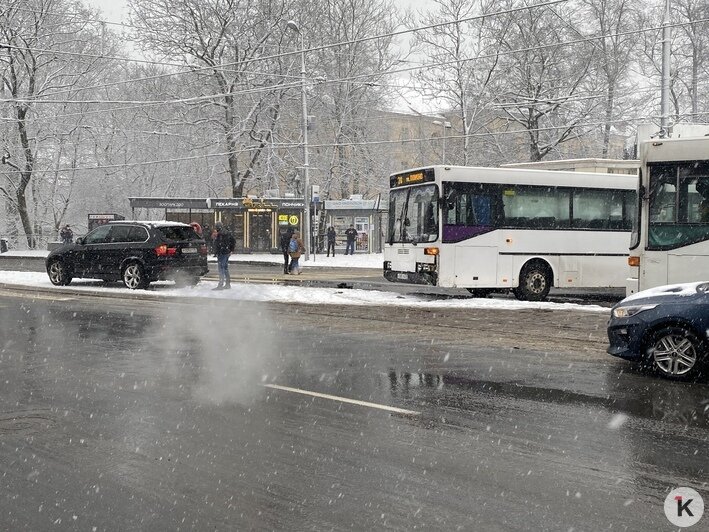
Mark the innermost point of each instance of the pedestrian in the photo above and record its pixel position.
(207, 235)
(351, 235)
(67, 235)
(295, 248)
(224, 245)
(285, 243)
(331, 236)
(214, 237)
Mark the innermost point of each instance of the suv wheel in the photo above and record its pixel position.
(134, 276)
(58, 273)
(674, 352)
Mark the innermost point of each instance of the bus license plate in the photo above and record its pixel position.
(189, 250)
(402, 276)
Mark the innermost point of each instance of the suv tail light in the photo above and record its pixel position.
(203, 250)
(162, 250)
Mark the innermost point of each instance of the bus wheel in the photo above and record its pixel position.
(479, 292)
(534, 283)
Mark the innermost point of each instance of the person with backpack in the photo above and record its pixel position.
(295, 248)
(67, 235)
(224, 245)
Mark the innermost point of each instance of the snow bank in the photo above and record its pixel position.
(291, 294)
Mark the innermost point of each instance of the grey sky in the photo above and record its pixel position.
(115, 10)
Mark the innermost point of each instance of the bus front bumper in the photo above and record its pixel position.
(425, 274)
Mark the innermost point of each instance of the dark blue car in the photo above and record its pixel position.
(665, 327)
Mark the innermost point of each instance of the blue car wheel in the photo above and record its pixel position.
(675, 352)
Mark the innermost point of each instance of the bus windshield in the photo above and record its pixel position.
(413, 214)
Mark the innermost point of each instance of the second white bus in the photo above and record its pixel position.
(494, 229)
(670, 242)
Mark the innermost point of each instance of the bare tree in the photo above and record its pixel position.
(691, 47)
(546, 90)
(234, 46)
(614, 53)
(466, 62)
(352, 90)
(46, 47)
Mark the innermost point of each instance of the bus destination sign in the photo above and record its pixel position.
(411, 178)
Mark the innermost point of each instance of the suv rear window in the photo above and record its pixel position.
(177, 232)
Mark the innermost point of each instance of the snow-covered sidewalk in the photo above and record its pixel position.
(288, 294)
(363, 260)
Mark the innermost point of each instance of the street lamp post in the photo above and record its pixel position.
(306, 167)
(444, 125)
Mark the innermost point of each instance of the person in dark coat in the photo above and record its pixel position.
(285, 242)
(331, 237)
(207, 235)
(351, 235)
(224, 245)
(67, 235)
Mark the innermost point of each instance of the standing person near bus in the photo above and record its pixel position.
(295, 248)
(351, 235)
(224, 245)
(207, 235)
(331, 237)
(285, 242)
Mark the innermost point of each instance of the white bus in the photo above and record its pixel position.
(495, 229)
(670, 240)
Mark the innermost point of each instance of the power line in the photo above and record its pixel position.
(66, 14)
(293, 145)
(297, 52)
(351, 78)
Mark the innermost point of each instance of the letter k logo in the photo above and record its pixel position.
(683, 507)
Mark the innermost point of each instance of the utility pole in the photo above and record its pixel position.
(665, 92)
(307, 196)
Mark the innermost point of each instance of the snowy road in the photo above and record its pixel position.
(228, 414)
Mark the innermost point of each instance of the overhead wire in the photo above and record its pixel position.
(359, 76)
(387, 142)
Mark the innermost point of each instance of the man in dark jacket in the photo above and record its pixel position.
(351, 235)
(331, 237)
(285, 241)
(224, 245)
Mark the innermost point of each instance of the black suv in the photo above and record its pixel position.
(134, 252)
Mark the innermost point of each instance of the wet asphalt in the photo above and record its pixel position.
(119, 414)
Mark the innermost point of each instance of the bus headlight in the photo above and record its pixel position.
(387, 265)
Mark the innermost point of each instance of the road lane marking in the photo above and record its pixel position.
(344, 400)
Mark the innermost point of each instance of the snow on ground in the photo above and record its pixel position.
(293, 294)
(25, 253)
(364, 260)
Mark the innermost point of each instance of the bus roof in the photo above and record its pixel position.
(519, 176)
(675, 149)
